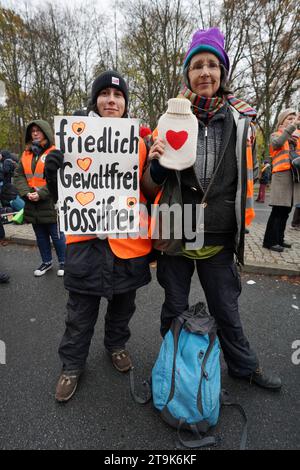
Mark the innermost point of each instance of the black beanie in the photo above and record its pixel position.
(109, 79)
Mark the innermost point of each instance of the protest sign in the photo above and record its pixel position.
(98, 186)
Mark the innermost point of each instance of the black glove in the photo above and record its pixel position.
(53, 162)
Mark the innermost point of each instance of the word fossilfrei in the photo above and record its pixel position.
(109, 141)
(296, 353)
(2, 353)
(105, 218)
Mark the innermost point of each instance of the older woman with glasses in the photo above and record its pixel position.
(221, 181)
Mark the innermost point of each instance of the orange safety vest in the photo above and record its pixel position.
(126, 248)
(281, 157)
(35, 180)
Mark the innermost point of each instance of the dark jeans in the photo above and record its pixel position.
(82, 314)
(43, 232)
(221, 284)
(2, 231)
(274, 234)
(296, 217)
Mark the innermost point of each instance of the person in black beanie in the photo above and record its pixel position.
(109, 79)
(99, 267)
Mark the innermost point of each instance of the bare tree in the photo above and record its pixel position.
(152, 54)
(13, 72)
(272, 36)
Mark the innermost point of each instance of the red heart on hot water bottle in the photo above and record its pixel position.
(176, 139)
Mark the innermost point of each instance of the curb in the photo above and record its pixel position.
(270, 270)
(255, 268)
(21, 241)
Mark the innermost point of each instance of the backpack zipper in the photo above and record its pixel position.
(203, 371)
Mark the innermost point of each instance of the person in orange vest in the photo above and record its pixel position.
(285, 192)
(221, 183)
(99, 267)
(39, 207)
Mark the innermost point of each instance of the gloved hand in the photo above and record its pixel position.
(53, 162)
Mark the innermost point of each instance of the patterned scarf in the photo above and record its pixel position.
(205, 108)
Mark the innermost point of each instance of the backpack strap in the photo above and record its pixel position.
(226, 402)
(135, 396)
(195, 443)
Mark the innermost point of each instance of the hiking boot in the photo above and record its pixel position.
(121, 360)
(66, 386)
(61, 270)
(4, 278)
(43, 269)
(262, 379)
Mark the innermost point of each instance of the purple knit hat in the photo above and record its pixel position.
(209, 40)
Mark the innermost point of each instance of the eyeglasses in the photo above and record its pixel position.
(199, 66)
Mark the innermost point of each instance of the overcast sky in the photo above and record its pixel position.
(17, 4)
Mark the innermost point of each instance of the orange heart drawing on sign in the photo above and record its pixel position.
(84, 163)
(85, 198)
(131, 201)
(78, 127)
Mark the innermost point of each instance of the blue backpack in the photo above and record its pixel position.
(186, 378)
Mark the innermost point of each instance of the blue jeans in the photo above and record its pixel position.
(43, 232)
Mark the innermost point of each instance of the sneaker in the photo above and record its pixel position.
(286, 245)
(261, 378)
(121, 360)
(43, 269)
(66, 386)
(4, 278)
(277, 248)
(61, 270)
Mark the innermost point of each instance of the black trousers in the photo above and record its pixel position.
(274, 234)
(2, 231)
(82, 314)
(296, 217)
(221, 284)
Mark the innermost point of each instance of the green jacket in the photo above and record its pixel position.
(42, 211)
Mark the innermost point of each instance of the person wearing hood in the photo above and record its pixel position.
(99, 267)
(285, 189)
(39, 207)
(221, 182)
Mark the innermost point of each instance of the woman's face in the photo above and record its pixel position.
(37, 134)
(289, 120)
(111, 103)
(204, 74)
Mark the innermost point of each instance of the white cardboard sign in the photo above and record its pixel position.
(98, 186)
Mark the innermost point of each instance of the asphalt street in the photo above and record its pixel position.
(102, 414)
